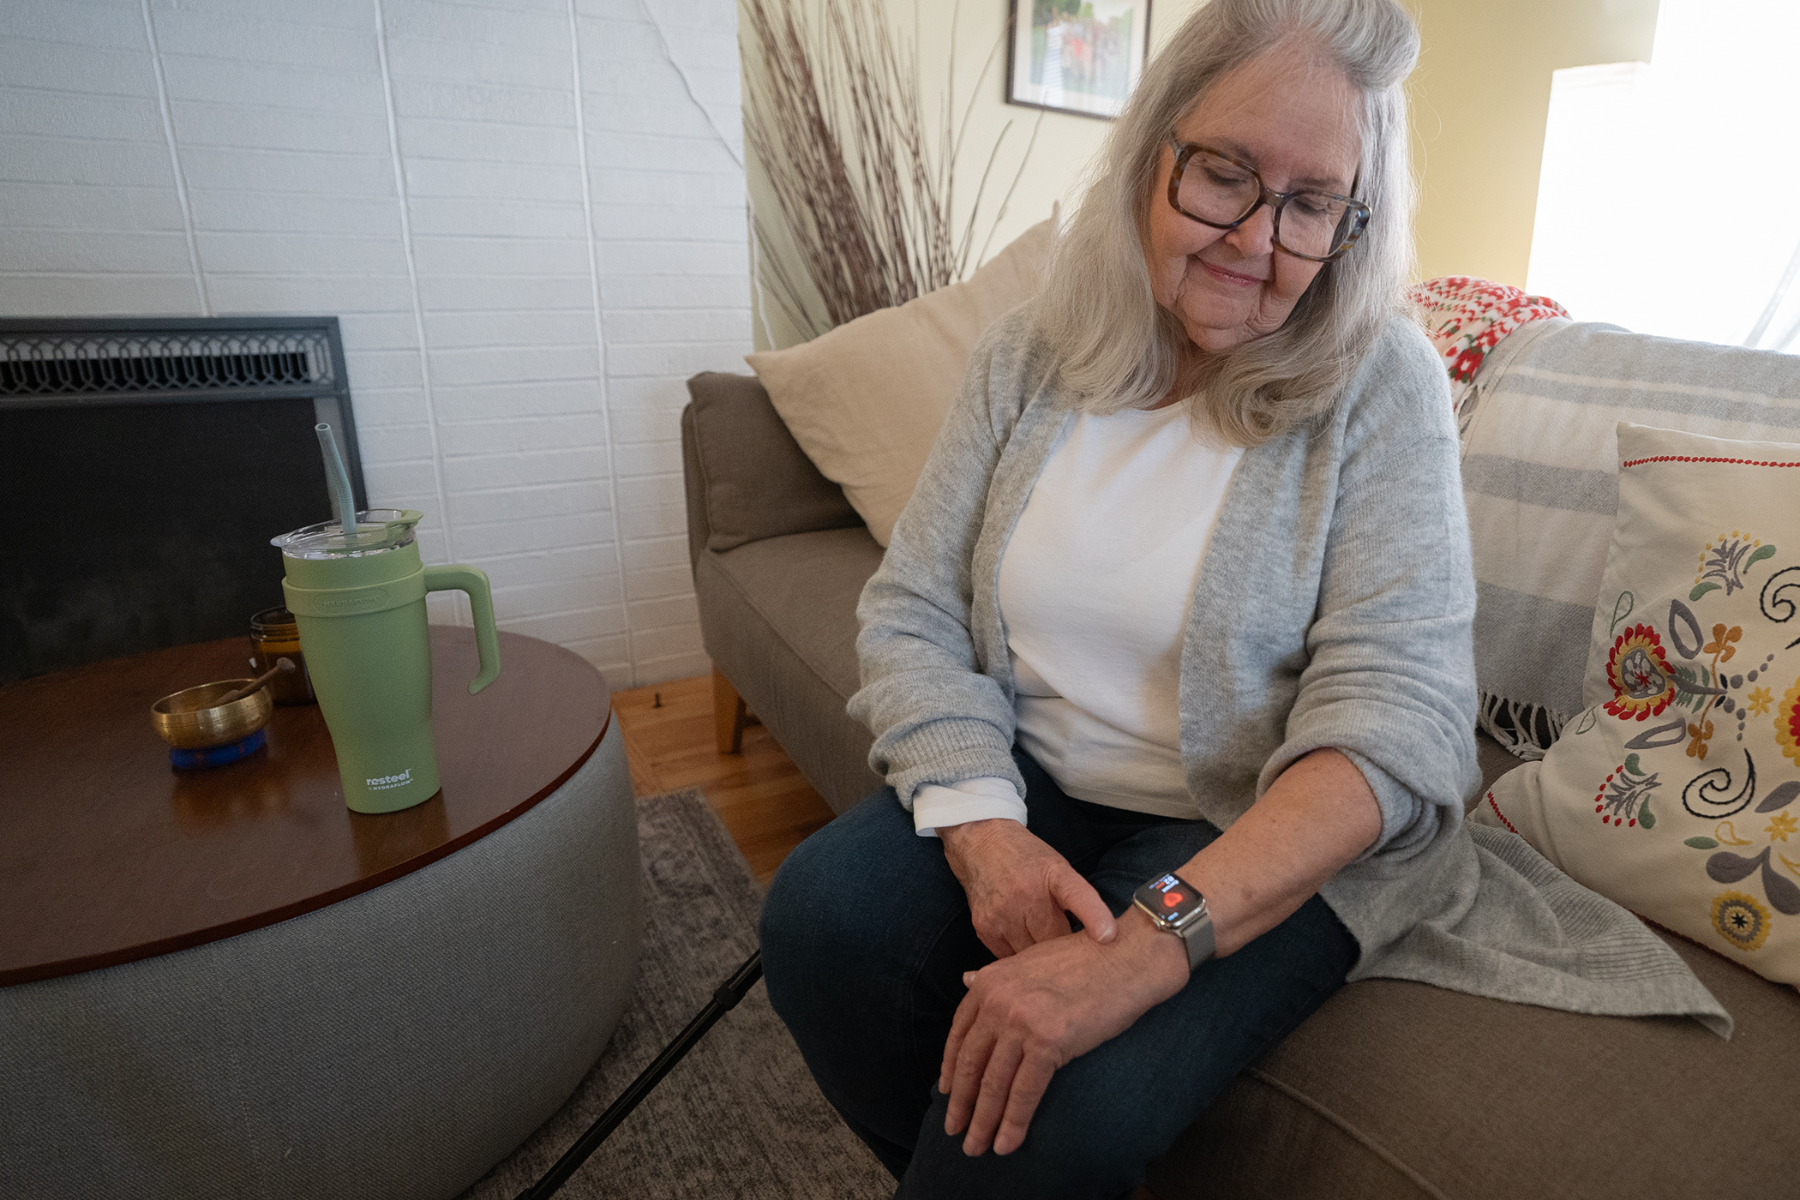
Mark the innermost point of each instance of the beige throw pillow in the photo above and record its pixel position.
(865, 400)
(1677, 794)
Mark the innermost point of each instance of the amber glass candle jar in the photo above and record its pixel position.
(274, 635)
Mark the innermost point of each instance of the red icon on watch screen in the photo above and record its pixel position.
(1171, 899)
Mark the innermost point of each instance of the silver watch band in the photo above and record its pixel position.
(1198, 937)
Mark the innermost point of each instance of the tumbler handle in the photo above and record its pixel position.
(474, 581)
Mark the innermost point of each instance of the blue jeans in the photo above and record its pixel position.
(866, 935)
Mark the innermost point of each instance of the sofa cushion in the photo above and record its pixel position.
(1540, 477)
(1676, 793)
(754, 479)
(1400, 1089)
(779, 619)
(865, 400)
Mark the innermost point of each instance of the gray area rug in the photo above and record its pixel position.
(740, 1116)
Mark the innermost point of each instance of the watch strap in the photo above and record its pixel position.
(1199, 940)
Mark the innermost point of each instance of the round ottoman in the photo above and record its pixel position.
(396, 1043)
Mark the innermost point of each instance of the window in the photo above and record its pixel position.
(1669, 200)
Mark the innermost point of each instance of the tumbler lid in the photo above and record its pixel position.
(377, 530)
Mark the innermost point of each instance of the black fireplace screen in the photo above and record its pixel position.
(144, 465)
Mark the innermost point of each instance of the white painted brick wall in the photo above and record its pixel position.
(517, 335)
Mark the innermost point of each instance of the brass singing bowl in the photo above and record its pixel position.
(190, 720)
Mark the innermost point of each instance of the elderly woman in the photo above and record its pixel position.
(1174, 637)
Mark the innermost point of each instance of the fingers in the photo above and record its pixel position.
(1028, 1085)
(1079, 897)
(959, 1028)
(1045, 920)
(995, 1086)
(966, 1078)
(998, 944)
(1030, 921)
(1032, 918)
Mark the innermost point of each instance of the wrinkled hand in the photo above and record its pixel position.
(1019, 888)
(1028, 1015)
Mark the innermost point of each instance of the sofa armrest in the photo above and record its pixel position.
(747, 479)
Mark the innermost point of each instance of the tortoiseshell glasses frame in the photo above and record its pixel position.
(1350, 225)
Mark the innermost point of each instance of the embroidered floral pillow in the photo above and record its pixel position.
(1677, 794)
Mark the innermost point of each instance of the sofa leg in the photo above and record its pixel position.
(730, 714)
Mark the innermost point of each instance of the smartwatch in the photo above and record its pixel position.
(1176, 905)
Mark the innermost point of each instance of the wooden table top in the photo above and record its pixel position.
(108, 854)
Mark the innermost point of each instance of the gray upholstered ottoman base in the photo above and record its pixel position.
(396, 1044)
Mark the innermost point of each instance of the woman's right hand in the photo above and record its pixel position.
(1019, 889)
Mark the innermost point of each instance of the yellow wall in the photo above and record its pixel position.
(1480, 97)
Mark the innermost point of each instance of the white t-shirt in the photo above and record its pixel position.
(1094, 590)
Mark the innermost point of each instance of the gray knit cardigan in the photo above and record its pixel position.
(1333, 608)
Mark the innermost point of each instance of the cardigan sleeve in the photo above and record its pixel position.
(938, 713)
(1390, 672)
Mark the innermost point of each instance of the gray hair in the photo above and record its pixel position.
(1122, 350)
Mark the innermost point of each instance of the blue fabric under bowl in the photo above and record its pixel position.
(217, 756)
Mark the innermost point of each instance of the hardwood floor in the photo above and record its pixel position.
(759, 795)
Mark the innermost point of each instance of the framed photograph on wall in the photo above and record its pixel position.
(1076, 56)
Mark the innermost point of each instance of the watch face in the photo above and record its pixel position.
(1171, 899)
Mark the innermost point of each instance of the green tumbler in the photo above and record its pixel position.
(359, 599)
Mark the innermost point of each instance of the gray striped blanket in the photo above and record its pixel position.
(1540, 476)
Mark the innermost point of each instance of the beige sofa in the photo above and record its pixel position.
(1393, 1089)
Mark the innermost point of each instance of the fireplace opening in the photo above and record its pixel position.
(144, 465)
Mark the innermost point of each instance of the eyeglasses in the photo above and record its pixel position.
(1218, 190)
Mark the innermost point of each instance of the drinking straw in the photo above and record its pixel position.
(337, 481)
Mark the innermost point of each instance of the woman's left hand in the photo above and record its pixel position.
(1028, 1014)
